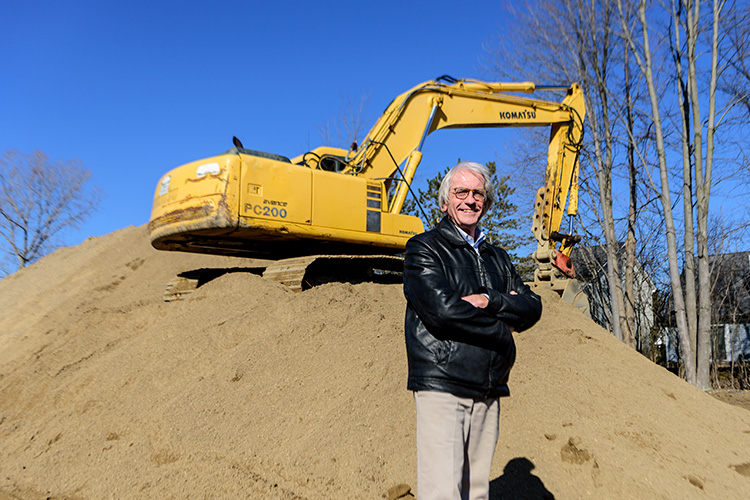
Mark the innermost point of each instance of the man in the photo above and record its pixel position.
(464, 300)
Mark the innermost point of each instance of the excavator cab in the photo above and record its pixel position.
(332, 164)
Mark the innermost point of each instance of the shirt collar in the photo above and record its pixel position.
(470, 240)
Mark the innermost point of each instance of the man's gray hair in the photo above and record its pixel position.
(480, 170)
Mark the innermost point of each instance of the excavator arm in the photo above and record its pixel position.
(392, 150)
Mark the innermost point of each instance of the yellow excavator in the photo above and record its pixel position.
(332, 211)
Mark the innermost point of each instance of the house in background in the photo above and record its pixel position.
(730, 310)
(590, 264)
(730, 306)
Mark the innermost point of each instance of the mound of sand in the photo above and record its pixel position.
(246, 390)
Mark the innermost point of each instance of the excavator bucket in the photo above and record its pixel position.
(573, 294)
(570, 290)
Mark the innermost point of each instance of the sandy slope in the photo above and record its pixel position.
(245, 390)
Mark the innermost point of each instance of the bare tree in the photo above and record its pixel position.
(576, 41)
(39, 199)
(630, 292)
(688, 38)
(736, 56)
(652, 73)
(349, 126)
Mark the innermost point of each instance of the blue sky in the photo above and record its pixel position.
(135, 88)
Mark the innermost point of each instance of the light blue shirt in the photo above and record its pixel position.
(474, 243)
(471, 241)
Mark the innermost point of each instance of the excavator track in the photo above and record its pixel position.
(289, 272)
(187, 282)
(300, 273)
(179, 288)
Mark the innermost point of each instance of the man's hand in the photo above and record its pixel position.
(480, 300)
(512, 330)
(477, 300)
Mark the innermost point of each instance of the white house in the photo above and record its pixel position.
(590, 265)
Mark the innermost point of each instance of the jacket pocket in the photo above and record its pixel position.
(443, 351)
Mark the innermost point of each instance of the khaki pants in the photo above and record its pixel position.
(456, 439)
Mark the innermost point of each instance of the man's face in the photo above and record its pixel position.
(467, 212)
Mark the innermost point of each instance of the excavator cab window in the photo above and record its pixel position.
(332, 164)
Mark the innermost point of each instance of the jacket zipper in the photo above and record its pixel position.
(482, 274)
(483, 282)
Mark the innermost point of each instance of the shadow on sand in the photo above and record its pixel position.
(518, 483)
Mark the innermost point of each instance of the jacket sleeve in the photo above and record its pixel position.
(521, 310)
(440, 308)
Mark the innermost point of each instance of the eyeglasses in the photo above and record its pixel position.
(461, 193)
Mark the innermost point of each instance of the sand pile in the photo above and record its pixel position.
(246, 390)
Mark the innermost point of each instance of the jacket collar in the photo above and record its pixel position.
(449, 231)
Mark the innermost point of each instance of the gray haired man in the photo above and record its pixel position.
(464, 301)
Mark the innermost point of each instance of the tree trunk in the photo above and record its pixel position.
(594, 57)
(684, 100)
(645, 64)
(703, 192)
(630, 240)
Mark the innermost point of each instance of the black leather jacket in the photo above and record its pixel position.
(451, 345)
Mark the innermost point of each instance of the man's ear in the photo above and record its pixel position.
(444, 207)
